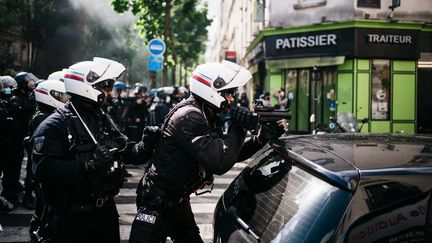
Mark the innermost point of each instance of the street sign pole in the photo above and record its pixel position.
(156, 47)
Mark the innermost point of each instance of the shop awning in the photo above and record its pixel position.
(305, 62)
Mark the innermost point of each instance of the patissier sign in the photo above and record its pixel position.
(306, 41)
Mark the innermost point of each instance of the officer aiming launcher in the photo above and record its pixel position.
(262, 114)
(270, 114)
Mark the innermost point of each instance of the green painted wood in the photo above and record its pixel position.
(344, 92)
(363, 95)
(380, 126)
(365, 128)
(363, 64)
(403, 97)
(404, 66)
(275, 83)
(346, 66)
(407, 128)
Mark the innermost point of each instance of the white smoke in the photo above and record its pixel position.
(102, 12)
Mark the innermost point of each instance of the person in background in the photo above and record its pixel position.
(257, 92)
(265, 99)
(282, 100)
(7, 126)
(158, 110)
(22, 108)
(139, 111)
(244, 101)
(118, 108)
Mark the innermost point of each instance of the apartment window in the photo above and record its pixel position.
(369, 3)
(381, 90)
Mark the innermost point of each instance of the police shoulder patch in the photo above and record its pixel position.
(38, 143)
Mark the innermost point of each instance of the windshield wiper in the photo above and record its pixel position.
(232, 213)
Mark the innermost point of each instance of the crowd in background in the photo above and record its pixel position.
(134, 108)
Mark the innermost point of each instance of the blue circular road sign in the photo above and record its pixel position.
(156, 47)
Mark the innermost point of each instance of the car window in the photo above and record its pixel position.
(390, 211)
(281, 202)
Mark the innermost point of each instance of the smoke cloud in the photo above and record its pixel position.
(73, 42)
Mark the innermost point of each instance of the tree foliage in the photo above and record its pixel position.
(178, 22)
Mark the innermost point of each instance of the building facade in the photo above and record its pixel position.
(14, 53)
(357, 56)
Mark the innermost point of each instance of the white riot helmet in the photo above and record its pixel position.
(86, 79)
(209, 80)
(52, 93)
(56, 76)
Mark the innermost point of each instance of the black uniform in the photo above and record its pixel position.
(158, 110)
(7, 126)
(191, 149)
(138, 117)
(79, 204)
(42, 112)
(22, 109)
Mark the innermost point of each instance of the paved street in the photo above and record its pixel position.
(14, 225)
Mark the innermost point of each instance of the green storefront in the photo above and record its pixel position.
(369, 68)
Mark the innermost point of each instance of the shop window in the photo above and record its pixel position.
(380, 95)
(369, 3)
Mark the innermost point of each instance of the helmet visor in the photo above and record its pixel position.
(105, 85)
(229, 92)
(31, 81)
(60, 96)
(232, 75)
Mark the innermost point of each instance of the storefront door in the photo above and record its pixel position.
(310, 92)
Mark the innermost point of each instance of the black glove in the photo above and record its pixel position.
(150, 137)
(102, 158)
(102, 154)
(244, 117)
(270, 130)
(95, 165)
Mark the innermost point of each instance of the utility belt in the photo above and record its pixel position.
(150, 195)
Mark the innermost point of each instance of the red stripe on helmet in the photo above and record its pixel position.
(41, 91)
(200, 79)
(74, 77)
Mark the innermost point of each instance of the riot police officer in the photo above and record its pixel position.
(49, 96)
(7, 85)
(75, 162)
(191, 149)
(22, 108)
(118, 108)
(158, 110)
